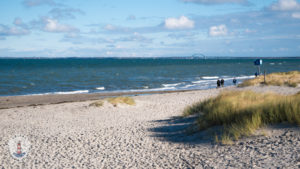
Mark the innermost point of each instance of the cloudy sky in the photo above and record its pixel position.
(149, 28)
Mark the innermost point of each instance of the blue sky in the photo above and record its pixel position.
(149, 28)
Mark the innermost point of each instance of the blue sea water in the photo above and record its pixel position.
(19, 76)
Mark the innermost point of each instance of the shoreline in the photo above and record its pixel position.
(7, 102)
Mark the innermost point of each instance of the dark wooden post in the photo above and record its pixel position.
(264, 76)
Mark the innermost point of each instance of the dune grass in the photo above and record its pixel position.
(97, 103)
(114, 101)
(291, 79)
(121, 100)
(241, 113)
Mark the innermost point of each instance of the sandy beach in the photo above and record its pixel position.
(147, 135)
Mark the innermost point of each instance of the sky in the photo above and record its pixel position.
(149, 28)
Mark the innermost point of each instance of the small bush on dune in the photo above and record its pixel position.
(121, 100)
(114, 101)
(291, 79)
(241, 113)
(97, 103)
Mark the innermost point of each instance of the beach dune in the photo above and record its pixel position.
(148, 134)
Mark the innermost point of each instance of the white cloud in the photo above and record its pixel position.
(211, 2)
(220, 30)
(231, 51)
(249, 31)
(12, 31)
(67, 13)
(285, 5)
(179, 23)
(131, 17)
(119, 47)
(280, 49)
(296, 15)
(32, 3)
(16, 31)
(118, 29)
(18, 21)
(53, 26)
(77, 38)
(133, 54)
(109, 53)
(136, 37)
(183, 35)
(110, 27)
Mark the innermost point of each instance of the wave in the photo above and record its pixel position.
(246, 77)
(210, 77)
(142, 90)
(203, 81)
(239, 77)
(100, 88)
(171, 85)
(226, 78)
(72, 92)
(68, 92)
(162, 89)
(188, 86)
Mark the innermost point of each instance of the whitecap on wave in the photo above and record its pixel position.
(68, 92)
(171, 85)
(210, 77)
(100, 88)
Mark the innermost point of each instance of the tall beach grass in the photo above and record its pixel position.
(241, 113)
(291, 79)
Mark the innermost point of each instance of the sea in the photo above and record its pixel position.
(40, 76)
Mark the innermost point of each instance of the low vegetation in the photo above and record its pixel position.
(291, 79)
(241, 113)
(121, 100)
(97, 103)
(114, 101)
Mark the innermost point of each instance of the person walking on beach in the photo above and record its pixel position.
(256, 74)
(218, 83)
(234, 81)
(222, 82)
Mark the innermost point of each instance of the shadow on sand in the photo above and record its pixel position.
(181, 130)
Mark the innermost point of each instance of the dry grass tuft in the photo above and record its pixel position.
(291, 79)
(97, 103)
(121, 100)
(241, 113)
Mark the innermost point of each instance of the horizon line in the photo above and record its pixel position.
(158, 57)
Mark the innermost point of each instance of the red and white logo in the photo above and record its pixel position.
(19, 147)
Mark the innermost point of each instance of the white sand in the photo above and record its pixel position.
(146, 135)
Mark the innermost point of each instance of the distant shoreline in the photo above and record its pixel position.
(162, 57)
